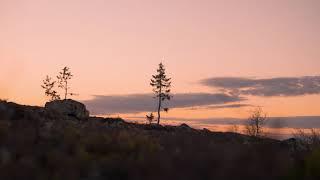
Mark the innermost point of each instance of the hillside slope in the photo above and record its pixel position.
(37, 143)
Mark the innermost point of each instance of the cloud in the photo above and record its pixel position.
(288, 86)
(135, 103)
(227, 106)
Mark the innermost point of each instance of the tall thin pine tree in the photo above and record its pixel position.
(161, 87)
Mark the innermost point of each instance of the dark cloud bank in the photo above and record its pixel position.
(145, 102)
(234, 91)
(287, 86)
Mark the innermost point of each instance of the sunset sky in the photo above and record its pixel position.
(224, 56)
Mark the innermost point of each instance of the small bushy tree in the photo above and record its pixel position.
(48, 86)
(150, 118)
(63, 78)
(234, 128)
(62, 81)
(161, 87)
(309, 138)
(256, 121)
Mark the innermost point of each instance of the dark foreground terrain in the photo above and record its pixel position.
(39, 143)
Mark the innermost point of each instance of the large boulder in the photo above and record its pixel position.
(68, 107)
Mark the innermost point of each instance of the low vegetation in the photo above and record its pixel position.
(36, 143)
(150, 118)
(310, 138)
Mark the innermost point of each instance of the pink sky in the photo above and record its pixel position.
(113, 47)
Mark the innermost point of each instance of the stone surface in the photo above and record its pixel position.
(185, 126)
(68, 107)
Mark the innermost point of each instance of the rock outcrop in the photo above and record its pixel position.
(69, 108)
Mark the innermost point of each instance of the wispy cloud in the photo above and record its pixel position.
(281, 86)
(135, 103)
(226, 106)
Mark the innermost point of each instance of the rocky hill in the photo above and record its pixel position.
(61, 141)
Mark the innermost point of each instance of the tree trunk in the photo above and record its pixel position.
(159, 105)
(66, 88)
(257, 128)
(159, 108)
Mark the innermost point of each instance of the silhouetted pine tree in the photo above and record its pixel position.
(63, 78)
(161, 87)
